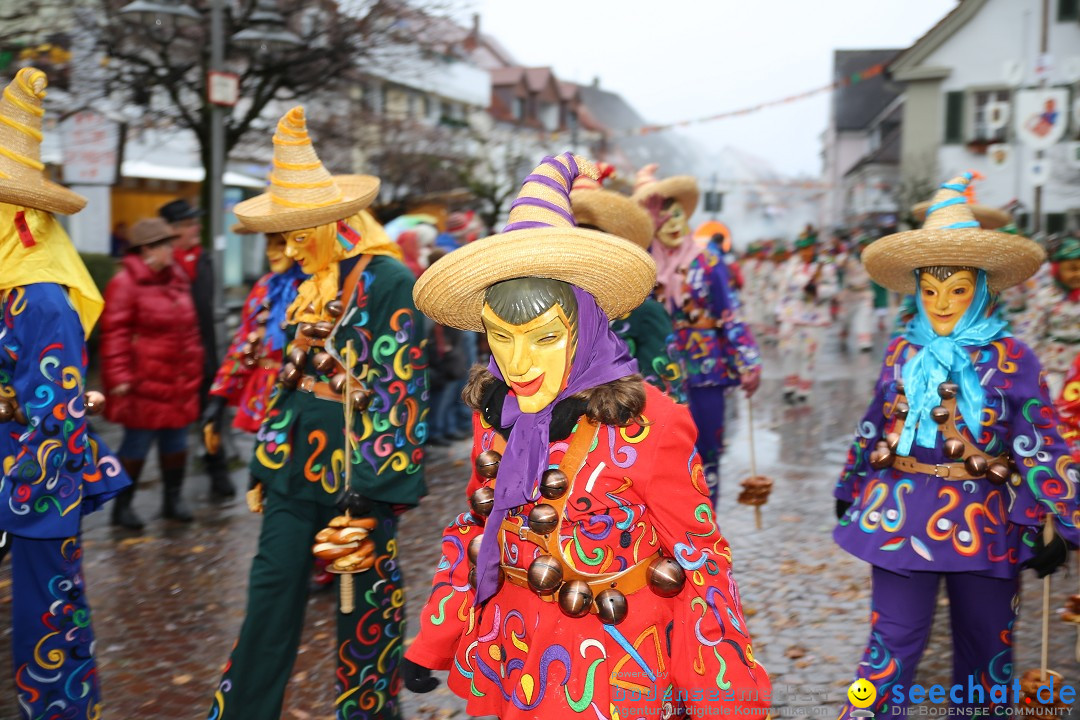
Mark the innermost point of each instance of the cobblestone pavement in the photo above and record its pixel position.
(168, 604)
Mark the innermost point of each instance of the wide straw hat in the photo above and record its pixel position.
(302, 193)
(610, 211)
(683, 188)
(540, 240)
(990, 218)
(952, 237)
(22, 174)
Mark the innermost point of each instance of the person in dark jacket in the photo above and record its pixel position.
(152, 365)
(199, 269)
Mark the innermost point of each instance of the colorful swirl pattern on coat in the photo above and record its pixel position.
(911, 521)
(720, 349)
(642, 489)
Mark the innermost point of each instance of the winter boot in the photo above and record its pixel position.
(217, 466)
(123, 514)
(173, 506)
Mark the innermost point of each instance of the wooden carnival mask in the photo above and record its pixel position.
(531, 326)
(314, 249)
(675, 226)
(276, 255)
(946, 295)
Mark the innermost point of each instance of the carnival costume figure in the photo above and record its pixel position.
(1051, 322)
(647, 329)
(716, 347)
(355, 365)
(603, 587)
(808, 285)
(958, 462)
(53, 469)
(858, 296)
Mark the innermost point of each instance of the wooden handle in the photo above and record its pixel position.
(347, 594)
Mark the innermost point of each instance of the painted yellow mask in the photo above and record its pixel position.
(276, 257)
(1068, 273)
(946, 301)
(314, 249)
(534, 358)
(676, 227)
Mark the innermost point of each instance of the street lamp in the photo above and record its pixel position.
(266, 33)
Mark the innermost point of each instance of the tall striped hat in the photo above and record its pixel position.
(952, 236)
(540, 239)
(22, 174)
(302, 193)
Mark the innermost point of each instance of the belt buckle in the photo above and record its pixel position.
(523, 530)
(942, 471)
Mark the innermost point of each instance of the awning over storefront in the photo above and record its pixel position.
(154, 171)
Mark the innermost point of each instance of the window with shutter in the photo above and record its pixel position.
(954, 117)
(1068, 10)
(1055, 223)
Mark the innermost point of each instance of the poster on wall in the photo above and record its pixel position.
(1040, 116)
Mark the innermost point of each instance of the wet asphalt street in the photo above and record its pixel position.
(167, 604)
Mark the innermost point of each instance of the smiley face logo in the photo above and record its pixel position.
(862, 693)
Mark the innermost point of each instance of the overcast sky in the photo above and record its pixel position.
(680, 59)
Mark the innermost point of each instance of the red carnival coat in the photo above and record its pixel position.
(150, 340)
(641, 490)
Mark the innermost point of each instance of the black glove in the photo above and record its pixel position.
(842, 506)
(1048, 558)
(213, 412)
(417, 677)
(5, 545)
(354, 503)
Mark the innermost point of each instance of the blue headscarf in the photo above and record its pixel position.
(943, 357)
(280, 292)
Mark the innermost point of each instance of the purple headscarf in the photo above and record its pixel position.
(600, 358)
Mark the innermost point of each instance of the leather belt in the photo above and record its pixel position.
(627, 581)
(945, 471)
(321, 390)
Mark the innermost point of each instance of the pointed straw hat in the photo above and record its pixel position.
(22, 174)
(540, 240)
(683, 188)
(302, 192)
(952, 236)
(989, 218)
(609, 211)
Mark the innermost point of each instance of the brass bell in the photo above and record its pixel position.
(303, 328)
(249, 361)
(575, 598)
(298, 357)
(95, 402)
(290, 375)
(998, 473)
(666, 577)
(263, 317)
(337, 384)
(7, 410)
(976, 465)
(545, 575)
(253, 337)
(954, 448)
(487, 464)
(482, 501)
(948, 390)
(882, 457)
(473, 550)
(553, 484)
(939, 414)
(543, 518)
(901, 410)
(323, 362)
(334, 308)
(360, 400)
(310, 309)
(320, 330)
(899, 387)
(892, 440)
(498, 583)
(20, 416)
(611, 607)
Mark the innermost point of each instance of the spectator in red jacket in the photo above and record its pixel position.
(152, 363)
